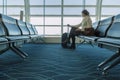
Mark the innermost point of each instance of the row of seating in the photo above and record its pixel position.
(14, 33)
(107, 35)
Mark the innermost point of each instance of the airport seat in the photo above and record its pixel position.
(4, 46)
(13, 31)
(100, 28)
(13, 34)
(109, 38)
(113, 41)
(32, 34)
(24, 30)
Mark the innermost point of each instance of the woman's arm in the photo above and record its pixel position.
(78, 25)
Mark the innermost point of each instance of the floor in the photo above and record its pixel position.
(51, 62)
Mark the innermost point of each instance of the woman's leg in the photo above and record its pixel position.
(72, 36)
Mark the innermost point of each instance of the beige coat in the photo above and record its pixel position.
(86, 23)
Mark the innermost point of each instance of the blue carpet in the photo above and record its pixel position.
(51, 62)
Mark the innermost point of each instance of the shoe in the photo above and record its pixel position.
(72, 47)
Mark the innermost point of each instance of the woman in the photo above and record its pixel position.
(85, 25)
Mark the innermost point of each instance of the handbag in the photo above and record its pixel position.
(89, 32)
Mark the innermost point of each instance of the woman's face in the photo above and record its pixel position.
(83, 15)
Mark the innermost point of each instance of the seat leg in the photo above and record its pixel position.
(109, 60)
(17, 52)
(25, 54)
(90, 43)
(111, 66)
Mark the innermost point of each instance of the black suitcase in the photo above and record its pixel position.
(64, 41)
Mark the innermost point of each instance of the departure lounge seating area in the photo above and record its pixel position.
(59, 40)
(15, 33)
(107, 36)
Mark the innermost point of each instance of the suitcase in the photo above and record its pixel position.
(64, 39)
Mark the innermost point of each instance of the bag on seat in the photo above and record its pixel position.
(89, 32)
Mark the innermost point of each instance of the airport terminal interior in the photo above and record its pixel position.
(59, 39)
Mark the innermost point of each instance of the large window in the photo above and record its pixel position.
(52, 16)
(110, 8)
(13, 8)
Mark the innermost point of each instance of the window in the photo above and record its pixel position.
(36, 20)
(110, 11)
(36, 2)
(14, 10)
(72, 20)
(72, 11)
(52, 20)
(52, 11)
(72, 2)
(36, 11)
(39, 29)
(52, 30)
(110, 8)
(16, 2)
(89, 2)
(47, 14)
(53, 2)
(108, 2)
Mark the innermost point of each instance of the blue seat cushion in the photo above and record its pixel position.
(90, 38)
(13, 38)
(34, 36)
(109, 41)
(3, 40)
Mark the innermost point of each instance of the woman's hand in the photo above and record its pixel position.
(78, 29)
(70, 25)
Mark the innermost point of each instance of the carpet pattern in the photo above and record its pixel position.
(51, 62)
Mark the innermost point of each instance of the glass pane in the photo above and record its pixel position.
(36, 20)
(72, 11)
(72, 20)
(52, 30)
(36, 2)
(89, 2)
(73, 2)
(111, 2)
(15, 10)
(53, 11)
(40, 29)
(36, 11)
(17, 17)
(16, 2)
(52, 20)
(53, 2)
(1, 2)
(92, 11)
(110, 11)
(1, 10)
